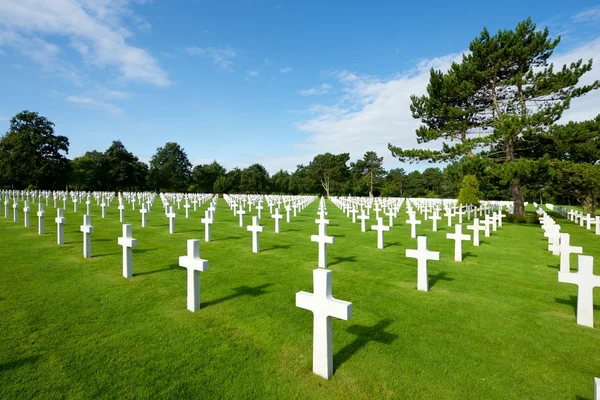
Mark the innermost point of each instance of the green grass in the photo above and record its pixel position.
(496, 326)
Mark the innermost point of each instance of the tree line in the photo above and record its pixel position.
(494, 115)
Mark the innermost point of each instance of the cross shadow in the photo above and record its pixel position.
(141, 251)
(340, 260)
(582, 398)
(441, 276)
(391, 244)
(277, 247)
(240, 291)
(226, 238)
(106, 255)
(169, 268)
(573, 303)
(102, 240)
(341, 235)
(554, 266)
(364, 335)
(19, 363)
(469, 254)
(292, 230)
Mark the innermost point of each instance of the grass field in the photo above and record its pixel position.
(496, 326)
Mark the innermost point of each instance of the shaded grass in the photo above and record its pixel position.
(498, 325)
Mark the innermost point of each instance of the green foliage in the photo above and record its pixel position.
(220, 185)
(582, 180)
(30, 153)
(255, 179)
(330, 170)
(498, 99)
(469, 191)
(369, 170)
(528, 218)
(205, 176)
(170, 169)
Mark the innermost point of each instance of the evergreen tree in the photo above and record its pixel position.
(502, 94)
(469, 191)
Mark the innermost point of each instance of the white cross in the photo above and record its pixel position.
(241, 213)
(103, 205)
(458, 237)
(554, 240)
(323, 306)
(585, 279)
(449, 215)
(391, 214)
(435, 218)
(88, 204)
(207, 221)
(40, 215)
(87, 230)
(194, 264)
(487, 222)
(144, 211)
(187, 209)
(475, 228)
(277, 216)
(353, 211)
(255, 229)
(26, 213)
(128, 244)
(380, 228)
(287, 213)
(121, 210)
(171, 215)
(15, 211)
(413, 225)
(565, 250)
(60, 222)
(322, 239)
(363, 219)
(259, 208)
(422, 255)
(596, 388)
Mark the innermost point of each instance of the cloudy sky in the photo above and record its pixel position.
(274, 82)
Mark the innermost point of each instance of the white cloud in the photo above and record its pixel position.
(285, 70)
(221, 57)
(251, 74)
(372, 112)
(316, 91)
(96, 29)
(4, 118)
(590, 14)
(95, 104)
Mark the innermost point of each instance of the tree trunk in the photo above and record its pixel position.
(515, 184)
(589, 204)
(517, 196)
(371, 191)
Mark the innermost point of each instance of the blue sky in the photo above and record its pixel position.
(252, 81)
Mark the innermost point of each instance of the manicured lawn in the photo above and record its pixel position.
(496, 326)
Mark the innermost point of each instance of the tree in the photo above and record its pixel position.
(432, 180)
(204, 176)
(394, 183)
(234, 178)
(302, 182)
(371, 168)
(469, 191)
(414, 186)
(502, 95)
(329, 170)
(280, 182)
(255, 179)
(170, 169)
(581, 179)
(220, 185)
(30, 153)
(123, 169)
(88, 172)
